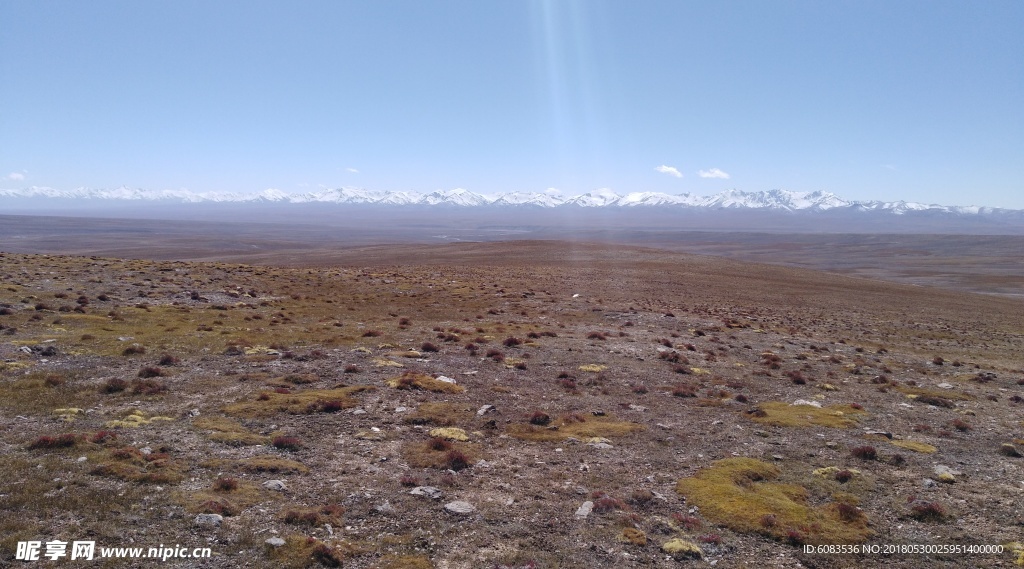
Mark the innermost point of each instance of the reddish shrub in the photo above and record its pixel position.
(113, 385)
(286, 443)
(148, 387)
(864, 452)
(331, 406)
(496, 355)
(225, 484)
(60, 441)
(684, 390)
(352, 368)
(456, 460)
(102, 437)
(848, 512)
(409, 481)
(712, 538)
(690, 523)
(134, 350)
(429, 347)
(439, 444)
(922, 510)
(960, 425)
(844, 476)
(540, 418)
(512, 341)
(327, 556)
(151, 371)
(607, 504)
(169, 360)
(371, 333)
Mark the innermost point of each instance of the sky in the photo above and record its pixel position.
(893, 99)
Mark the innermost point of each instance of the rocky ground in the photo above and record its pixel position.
(506, 405)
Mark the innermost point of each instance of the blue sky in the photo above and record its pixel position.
(914, 100)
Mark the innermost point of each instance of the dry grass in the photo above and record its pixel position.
(269, 403)
(785, 415)
(740, 494)
(577, 426)
(257, 465)
(414, 380)
(915, 446)
(230, 432)
(442, 414)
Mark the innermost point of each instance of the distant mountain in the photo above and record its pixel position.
(767, 201)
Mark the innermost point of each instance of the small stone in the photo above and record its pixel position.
(832, 444)
(885, 434)
(944, 385)
(213, 520)
(428, 491)
(274, 542)
(584, 510)
(777, 457)
(386, 508)
(445, 379)
(929, 483)
(485, 410)
(275, 485)
(83, 458)
(194, 413)
(401, 409)
(459, 507)
(358, 411)
(600, 446)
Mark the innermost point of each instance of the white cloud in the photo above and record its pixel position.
(671, 171)
(353, 170)
(713, 173)
(15, 176)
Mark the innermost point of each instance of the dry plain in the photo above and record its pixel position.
(525, 378)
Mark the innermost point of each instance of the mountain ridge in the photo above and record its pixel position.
(774, 200)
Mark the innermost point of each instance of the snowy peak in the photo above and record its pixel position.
(770, 200)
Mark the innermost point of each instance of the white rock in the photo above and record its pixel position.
(945, 385)
(485, 410)
(275, 485)
(209, 520)
(274, 542)
(585, 509)
(806, 402)
(428, 491)
(445, 379)
(459, 507)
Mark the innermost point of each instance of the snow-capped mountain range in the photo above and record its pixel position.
(771, 200)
